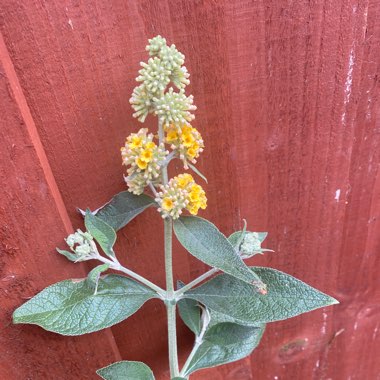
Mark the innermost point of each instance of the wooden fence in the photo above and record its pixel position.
(288, 104)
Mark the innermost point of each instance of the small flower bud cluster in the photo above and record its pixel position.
(181, 193)
(154, 75)
(186, 140)
(174, 108)
(251, 244)
(141, 102)
(82, 244)
(144, 159)
(164, 66)
(155, 45)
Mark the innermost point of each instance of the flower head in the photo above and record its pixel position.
(155, 45)
(154, 75)
(174, 108)
(186, 140)
(141, 102)
(82, 244)
(143, 158)
(171, 58)
(181, 193)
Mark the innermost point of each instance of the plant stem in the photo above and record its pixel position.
(198, 342)
(170, 302)
(168, 225)
(114, 264)
(172, 340)
(190, 358)
(191, 284)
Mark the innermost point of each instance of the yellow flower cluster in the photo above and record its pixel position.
(144, 159)
(181, 192)
(186, 140)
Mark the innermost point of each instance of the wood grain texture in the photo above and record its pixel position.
(33, 221)
(288, 104)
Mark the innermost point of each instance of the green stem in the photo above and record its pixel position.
(114, 264)
(172, 339)
(198, 342)
(190, 358)
(170, 302)
(198, 280)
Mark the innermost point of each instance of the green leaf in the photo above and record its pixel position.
(69, 255)
(195, 170)
(122, 208)
(216, 318)
(102, 232)
(204, 241)
(126, 370)
(70, 307)
(94, 276)
(286, 297)
(225, 343)
(189, 312)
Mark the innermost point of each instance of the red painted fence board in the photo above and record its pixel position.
(288, 104)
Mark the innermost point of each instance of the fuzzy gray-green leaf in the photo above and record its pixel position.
(69, 255)
(123, 207)
(70, 307)
(126, 370)
(94, 276)
(190, 313)
(102, 232)
(204, 241)
(225, 343)
(286, 297)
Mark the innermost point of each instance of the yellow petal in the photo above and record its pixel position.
(141, 164)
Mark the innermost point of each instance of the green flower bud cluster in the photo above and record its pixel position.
(175, 108)
(164, 67)
(82, 244)
(251, 244)
(154, 75)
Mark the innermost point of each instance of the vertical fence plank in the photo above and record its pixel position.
(33, 221)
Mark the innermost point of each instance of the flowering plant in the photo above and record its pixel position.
(228, 312)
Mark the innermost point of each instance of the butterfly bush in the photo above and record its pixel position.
(228, 312)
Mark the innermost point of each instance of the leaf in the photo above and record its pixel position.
(216, 318)
(225, 343)
(69, 255)
(286, 297)
(94, 276)
(189, 312)
(123, 207)
(102, 232)
(126, 370)
(204, 241)
(71, 308)
(196, 170)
